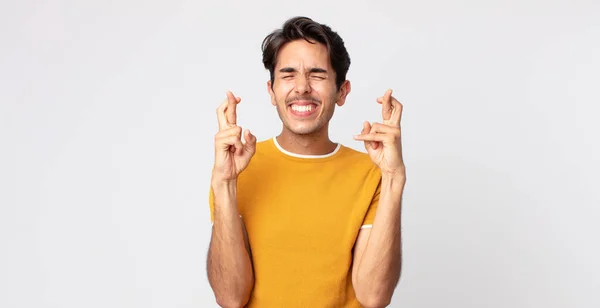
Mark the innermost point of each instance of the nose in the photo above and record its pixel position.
(302, 85)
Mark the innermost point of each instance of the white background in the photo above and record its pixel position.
(107, 121)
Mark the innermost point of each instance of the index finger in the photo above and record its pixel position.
(396, 112)
(386, 105)
(221, 117)
(231, 112)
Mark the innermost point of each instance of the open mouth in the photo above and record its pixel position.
(303, 109)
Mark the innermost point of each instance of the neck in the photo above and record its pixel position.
(310, 144)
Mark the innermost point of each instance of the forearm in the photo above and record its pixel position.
(381, 262)
(229, 264)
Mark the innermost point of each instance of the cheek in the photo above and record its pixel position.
(326, 93)
(288, 85)
(283, 90)
(325, 88)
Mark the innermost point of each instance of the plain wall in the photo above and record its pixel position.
(107, 118)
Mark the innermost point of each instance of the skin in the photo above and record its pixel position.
(229, 260)
(303, 72)
(304, 75)
(378, 251)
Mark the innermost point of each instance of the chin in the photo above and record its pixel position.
(304, 129)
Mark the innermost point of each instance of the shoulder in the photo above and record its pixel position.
(356, 156)
(265, 146)
(262, 157)
(358, 160)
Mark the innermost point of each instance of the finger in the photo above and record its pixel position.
(231, 112)
(384, 138)
(234, 135)
(396, 113)
(232, 131)
(250, 145)
(373, 145)
(379, 133)
(230, 143)
(221, 117)
(366, 127)
(230, 140)
(380, 128)
(365, 130)
(386, 105)
(384, 129)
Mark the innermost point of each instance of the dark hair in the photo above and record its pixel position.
(305, 28)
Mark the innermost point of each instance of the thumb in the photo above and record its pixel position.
(367, 129)
(374, 144)
(250, 141)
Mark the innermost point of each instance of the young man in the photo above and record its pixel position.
(298, 220)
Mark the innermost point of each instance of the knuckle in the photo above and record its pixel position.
(220, 134)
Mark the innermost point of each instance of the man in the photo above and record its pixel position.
(298, 220)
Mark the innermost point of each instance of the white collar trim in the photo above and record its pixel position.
(302, 155)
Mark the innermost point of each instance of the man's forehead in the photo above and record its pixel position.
(302, 64)
(303, 56)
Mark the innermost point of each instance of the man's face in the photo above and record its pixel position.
(304, 89)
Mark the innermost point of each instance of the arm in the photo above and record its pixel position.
(378, 250)
(229, 263)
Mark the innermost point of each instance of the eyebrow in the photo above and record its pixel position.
(293, 70)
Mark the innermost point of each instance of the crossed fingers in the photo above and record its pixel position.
(226, 112)
(391, 109)
(388, 131)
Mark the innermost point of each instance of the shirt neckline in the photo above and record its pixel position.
(282, 150)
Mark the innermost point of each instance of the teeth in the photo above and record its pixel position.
(306, 108)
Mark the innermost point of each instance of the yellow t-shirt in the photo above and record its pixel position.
(303, 214)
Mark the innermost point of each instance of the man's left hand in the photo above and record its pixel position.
(383, 140)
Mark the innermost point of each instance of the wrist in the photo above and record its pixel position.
(394, 181)
(225, 196)
(223, 186)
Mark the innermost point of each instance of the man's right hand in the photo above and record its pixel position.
(231, 155)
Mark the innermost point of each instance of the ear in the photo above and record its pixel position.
(343, 92)
(271, 93)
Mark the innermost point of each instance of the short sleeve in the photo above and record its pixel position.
(370, 215)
